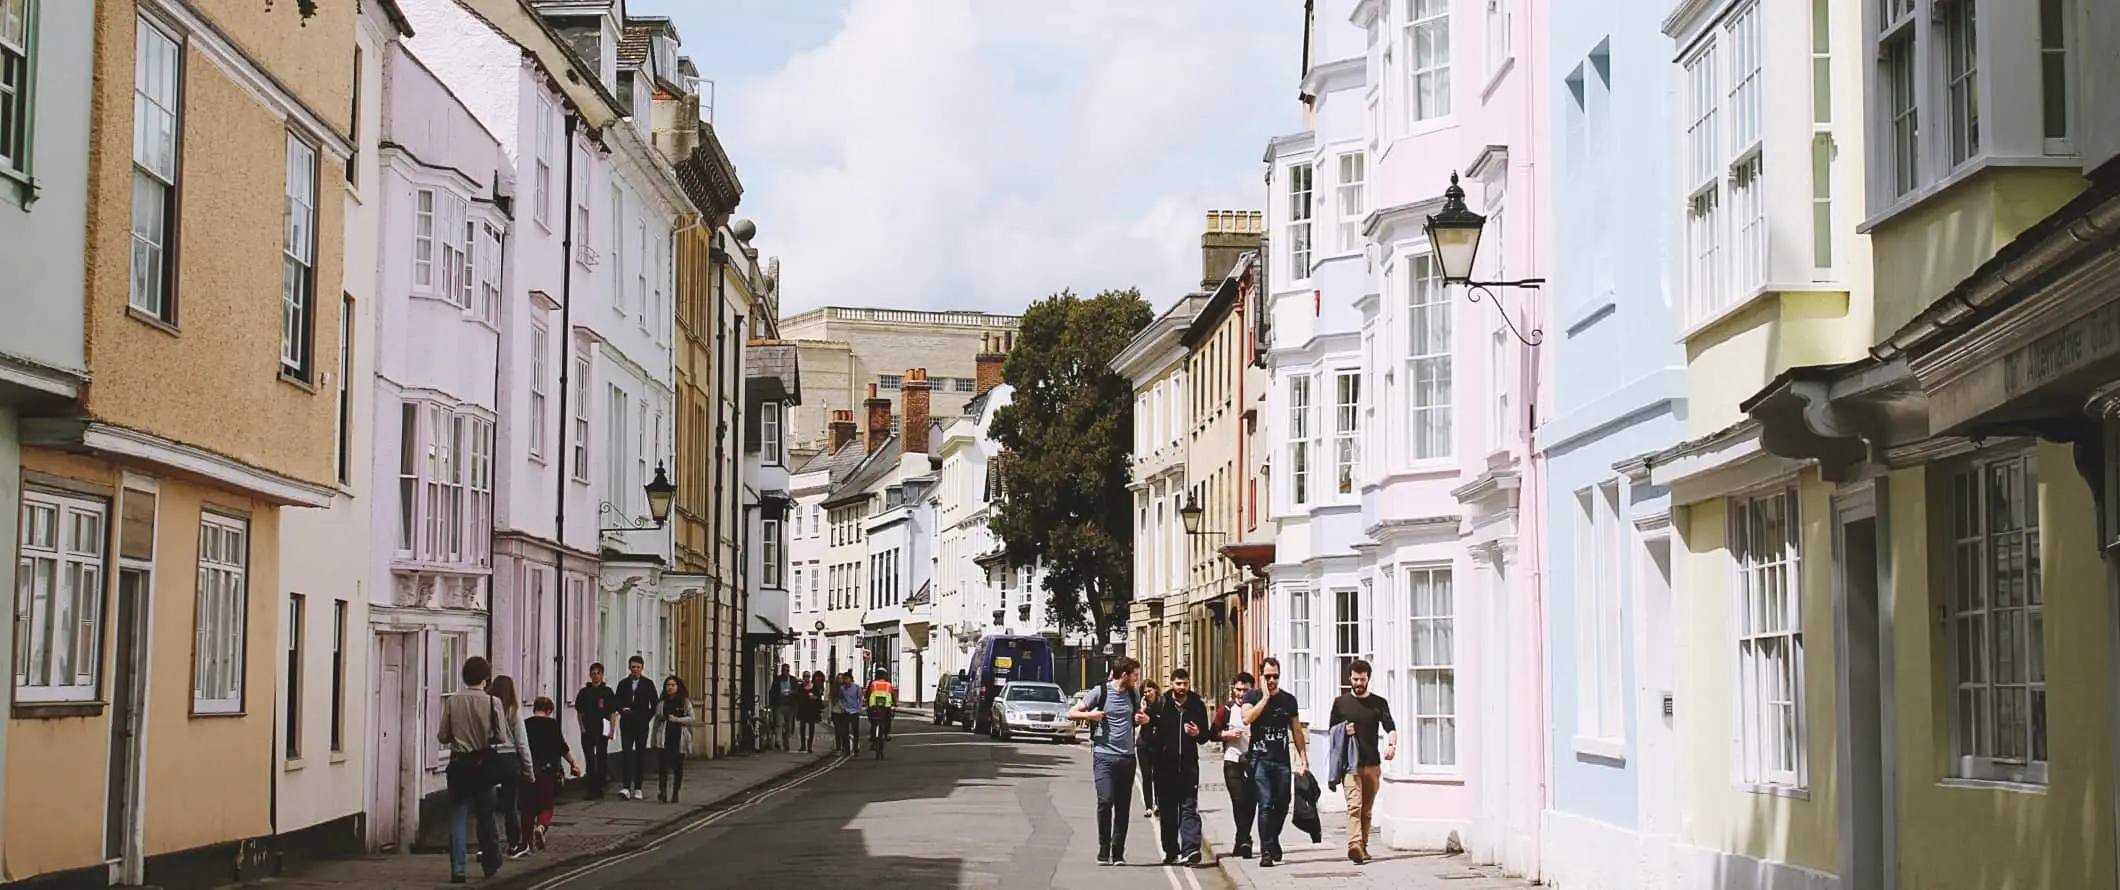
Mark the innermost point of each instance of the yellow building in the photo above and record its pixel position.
(215, 233)
(1905, 535)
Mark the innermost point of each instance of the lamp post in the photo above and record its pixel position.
(1454, 235)
(1191, 514)
(660, 494)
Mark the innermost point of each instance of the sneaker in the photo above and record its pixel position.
(1170, 859)
(1268, 860)
(1242, 850)
(1191, 860)
(519, 852)
(1104, 857)
(1118, 859)
(537, 838)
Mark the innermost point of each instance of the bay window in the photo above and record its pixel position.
(1428, 360)
(1346, 430)
(1428, 58)
(1302, 454)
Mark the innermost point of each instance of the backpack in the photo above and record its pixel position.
(1097, 730)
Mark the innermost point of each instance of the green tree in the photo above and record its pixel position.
(1067, 430)
(308, 9)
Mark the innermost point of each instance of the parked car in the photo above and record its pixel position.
(999, 659)
(949, 699)
(1033, 709)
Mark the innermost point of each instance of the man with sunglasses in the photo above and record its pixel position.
(1272, 715)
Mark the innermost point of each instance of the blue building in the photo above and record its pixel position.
(1619, 390)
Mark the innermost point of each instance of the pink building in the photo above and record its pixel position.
(1401, 411)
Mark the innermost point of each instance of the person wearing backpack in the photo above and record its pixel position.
(1114, 715)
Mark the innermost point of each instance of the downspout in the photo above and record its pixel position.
(501, 250)
(566, 452)
(716, 260)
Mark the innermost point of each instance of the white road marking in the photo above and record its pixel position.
(702, 822)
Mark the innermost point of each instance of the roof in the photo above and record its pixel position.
(396, 15)
(1219, 303)
(874, 467)
(836, 464)
(771, 372)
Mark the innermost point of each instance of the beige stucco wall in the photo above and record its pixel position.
(207, 780)
(1924, 252)
(1727, 362)
(1215, 473)
(223, 353)
(312, 57)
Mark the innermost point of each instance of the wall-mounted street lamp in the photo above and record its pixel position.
(1454, 235)
(1191, 514)
(660, 494)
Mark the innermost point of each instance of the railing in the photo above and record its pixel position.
(906, 316)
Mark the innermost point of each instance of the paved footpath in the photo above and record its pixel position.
(582, 831)
(1324, 865)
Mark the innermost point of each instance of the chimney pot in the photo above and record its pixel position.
(879, 419)
(842, 429)
(913, 433)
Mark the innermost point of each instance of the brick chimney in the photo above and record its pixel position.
(879, 427)
(842, 428)
(1229, 235)
(913, 432)
(993, 353)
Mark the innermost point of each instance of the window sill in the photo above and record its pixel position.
(1494, 81)
(1610, 751)
(1992, 785)
(338, 757)
(1906, 203)
(1430, 127)
(1451, 779)
(1789, 791)
(291, 765)
(353, 192)
(536, 458)
(153, 322)
(56, 710)
(1604, 305)
(296, 382)
(197, 714)
(18, 188)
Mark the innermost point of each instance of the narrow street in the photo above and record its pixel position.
(945, 809)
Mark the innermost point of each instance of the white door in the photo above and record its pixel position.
(389, 709)
(1656, 680)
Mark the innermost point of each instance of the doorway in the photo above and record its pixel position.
(121, 845)
(387, 822)
(1868, 835)
(1657, 667)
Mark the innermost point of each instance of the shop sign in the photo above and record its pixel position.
(2091, 338)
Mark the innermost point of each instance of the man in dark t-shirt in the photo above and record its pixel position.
(1361, 715)
(1276, 731)
(594, 706)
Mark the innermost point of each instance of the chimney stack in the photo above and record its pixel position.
(913, 432)
(842, 427)
(1229, 235)
(993, 354)
(879, 427)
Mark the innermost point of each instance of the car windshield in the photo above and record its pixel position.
(1034, 693)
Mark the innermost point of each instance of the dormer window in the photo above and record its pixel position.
(665, 57)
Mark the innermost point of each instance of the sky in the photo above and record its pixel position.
(982, 154)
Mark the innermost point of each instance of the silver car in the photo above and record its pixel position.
(1031, 709)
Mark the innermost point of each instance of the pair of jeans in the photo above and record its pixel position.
(1180, 813)
(464, 807)
(633, 739)
(784, 724)
(1148, 783)
(1243, 799)
(1360, 788)
(1114, 775)
(508, 802)
(809, 734)
(1271, 780)
(670, 772)
(596, 749)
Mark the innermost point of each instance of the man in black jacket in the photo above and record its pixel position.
(1179, 721)
(594, 706)
(636, 706)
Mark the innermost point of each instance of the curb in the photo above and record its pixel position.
(516, 878)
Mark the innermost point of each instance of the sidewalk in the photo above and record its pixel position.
(1324, 865)
(582, 831)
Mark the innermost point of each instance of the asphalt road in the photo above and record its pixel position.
(944, 809)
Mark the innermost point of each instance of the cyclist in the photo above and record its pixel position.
(880, 697)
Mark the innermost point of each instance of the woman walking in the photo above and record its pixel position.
(515, 751)
(1145, 741)
(472, 730)
(810, 710)
(672, 730)
(548, 747)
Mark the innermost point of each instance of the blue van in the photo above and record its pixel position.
(999, 659)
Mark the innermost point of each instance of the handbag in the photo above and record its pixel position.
(469, 772)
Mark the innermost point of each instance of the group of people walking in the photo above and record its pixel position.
(799, 702)
(1136, 726)
(501, 762)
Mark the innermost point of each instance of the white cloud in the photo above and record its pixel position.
(979, 154)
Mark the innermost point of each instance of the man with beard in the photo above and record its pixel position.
(1179, 719)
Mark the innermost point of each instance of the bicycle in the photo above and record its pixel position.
(760, 726)
(879, 729)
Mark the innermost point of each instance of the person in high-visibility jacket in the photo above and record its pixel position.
(881, 697)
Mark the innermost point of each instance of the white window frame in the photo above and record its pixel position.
(1347, 431)
(1766, 580)
(68, 537)
(488, 261)
(769, 547)
(540, 366)
(158, 87)
(221, 618)
(1825, 237)
(1302, 208)
(1501, 21)
(1297, 669)
(1429, 311)
(582, 368)
(617, 467)
(640, 455)
(1601, 699)
(426, 217)
(769, 432)
(18, 82)
(1302, 437)
(1990, 614)
(1350, 633)
(2056, 51)
(1431, 623)
(1706, 294)
(298, 275)
(479, 472)
(1352, 199)
(542, 196)
(1429, 69)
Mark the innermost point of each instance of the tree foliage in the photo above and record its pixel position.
(308, 9)
(1068, 429)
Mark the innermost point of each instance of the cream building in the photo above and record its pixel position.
(844, 350)
(1155, 362)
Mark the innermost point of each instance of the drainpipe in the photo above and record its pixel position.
(501, 250)
(566, 453)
